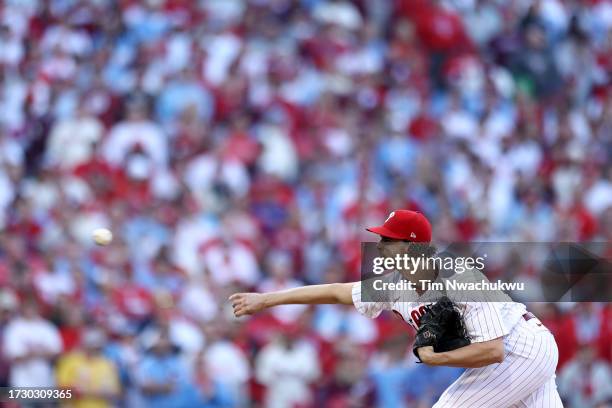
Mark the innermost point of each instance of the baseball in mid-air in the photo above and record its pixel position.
(102, 236)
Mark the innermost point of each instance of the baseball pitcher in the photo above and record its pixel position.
(509, 356)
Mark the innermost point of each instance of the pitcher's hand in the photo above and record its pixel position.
(247, 303)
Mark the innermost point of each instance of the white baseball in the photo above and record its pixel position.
(102, 236)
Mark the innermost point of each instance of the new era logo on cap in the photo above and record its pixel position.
(405, 225)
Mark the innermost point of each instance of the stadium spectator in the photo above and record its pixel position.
(388, 371)
(211, 391)
(161, 376)
(223, 361)
(287, 367)
(30, 343)
(8, 304)
(586, 380)
(136, 144)
(92, 378)
(399, 380)
(72, 140)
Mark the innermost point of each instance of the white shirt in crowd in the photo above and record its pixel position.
(124, 136)
(206, 169)
(20, 338)
(227, 363)
(71, 141)
(287, 373)
(198, 302)
(575, 381)
(235, 262)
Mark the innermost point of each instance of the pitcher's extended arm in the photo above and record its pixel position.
(249, 303)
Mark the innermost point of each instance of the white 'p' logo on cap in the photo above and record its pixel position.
(390, 216)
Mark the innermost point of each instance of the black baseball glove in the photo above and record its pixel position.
(442, 327)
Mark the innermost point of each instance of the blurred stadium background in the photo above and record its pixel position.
(244, 144)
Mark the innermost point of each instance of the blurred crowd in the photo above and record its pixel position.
(238, 145)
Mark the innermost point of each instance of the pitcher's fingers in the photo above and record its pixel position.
(237, 302)
(235, 296)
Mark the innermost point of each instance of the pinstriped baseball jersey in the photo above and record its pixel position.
(525, 378)
(484, 321)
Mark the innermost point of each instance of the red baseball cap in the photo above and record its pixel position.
(405, 225)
